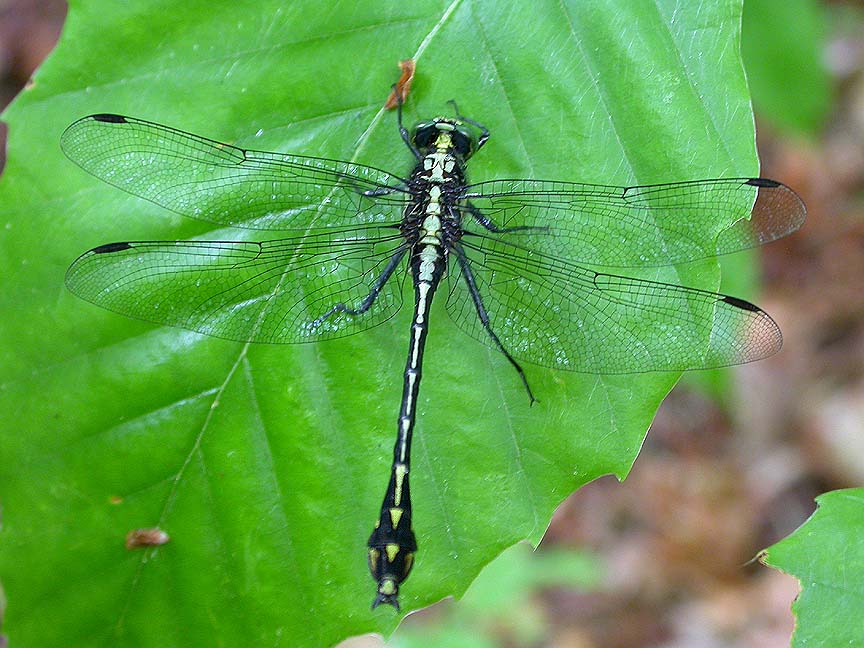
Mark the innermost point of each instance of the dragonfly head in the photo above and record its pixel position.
(445, 133)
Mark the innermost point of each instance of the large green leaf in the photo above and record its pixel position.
(266, 464)
(827, 555)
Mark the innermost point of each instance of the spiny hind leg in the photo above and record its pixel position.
(471, 282)
(370, 298)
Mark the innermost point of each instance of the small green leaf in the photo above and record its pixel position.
(783, 48)
(505, 596)
(826, 554)
(266, 464)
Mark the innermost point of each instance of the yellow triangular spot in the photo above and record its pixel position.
(395, 516)
(392, 551)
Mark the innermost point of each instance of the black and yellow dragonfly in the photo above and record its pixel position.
(534, 268)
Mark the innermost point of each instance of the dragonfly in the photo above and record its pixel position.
(536, 269)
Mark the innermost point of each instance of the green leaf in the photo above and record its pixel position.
(783, 51)
(826, 554)
(266, 464)
(505, 597)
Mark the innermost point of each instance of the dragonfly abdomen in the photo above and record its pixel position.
(392, 544)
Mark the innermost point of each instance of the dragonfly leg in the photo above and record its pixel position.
(370, 298)
(492, 226)
(484, 317)
(484, 132)
(380, 191)
(406, 136)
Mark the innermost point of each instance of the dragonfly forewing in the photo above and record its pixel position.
(647, 226)
(227, 185)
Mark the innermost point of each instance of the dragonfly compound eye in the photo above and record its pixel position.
(425, 135)
(463, 143)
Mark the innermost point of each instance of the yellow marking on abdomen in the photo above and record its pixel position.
(401, 471)
(392, 551)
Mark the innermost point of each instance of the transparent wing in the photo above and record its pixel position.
(270, 291)
(634, 226)
(223, 184)
(558, 314)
